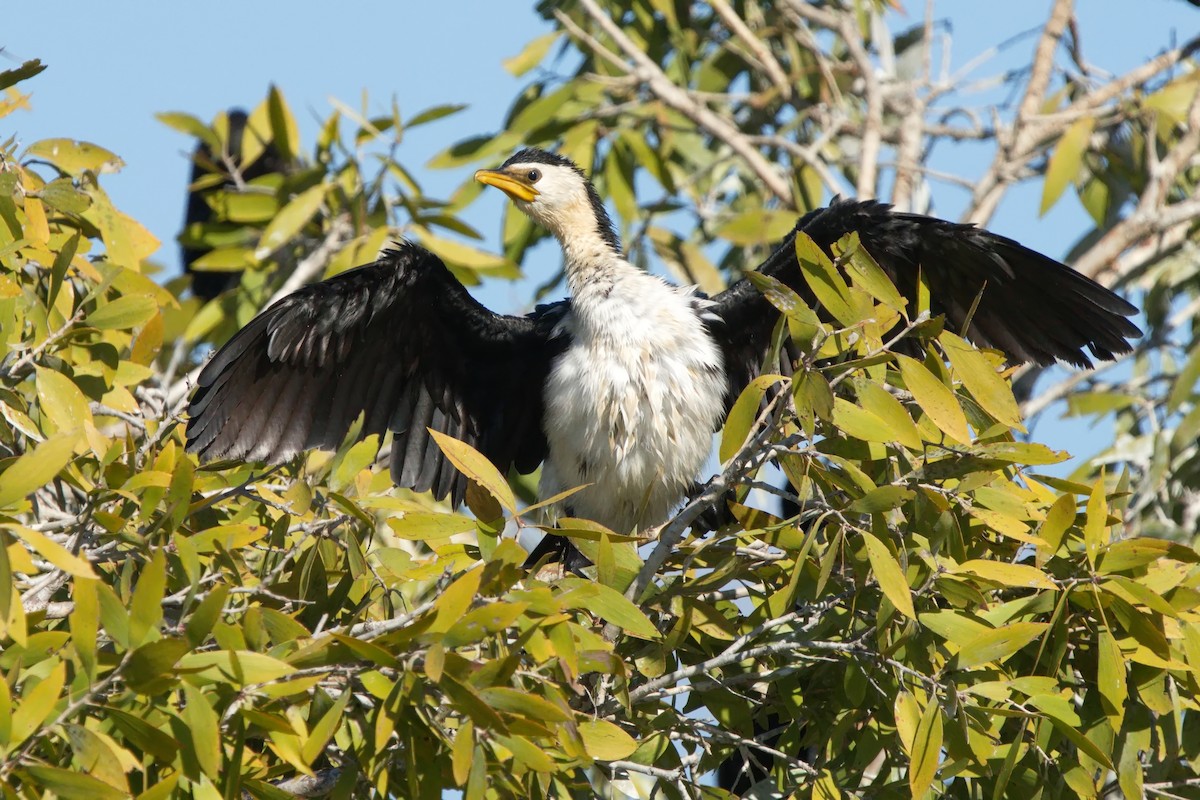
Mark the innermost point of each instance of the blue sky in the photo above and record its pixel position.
(112, 66)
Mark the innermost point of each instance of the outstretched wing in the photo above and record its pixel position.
(399, 341)
(1031, 307)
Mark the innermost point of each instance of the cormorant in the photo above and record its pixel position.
(622, 385)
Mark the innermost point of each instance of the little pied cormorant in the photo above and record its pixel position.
(622, 385)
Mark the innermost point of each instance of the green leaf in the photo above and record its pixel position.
(204, 729)
(530, 56)
(74, 157)
(290, 219)
(604, 741)
(926, 750)
(127, 311)
(889, 574)
(998, 644)
(865, 272)
(236, 667)
(758, 226)
(1066, 161)
(70, 785)
(285, 134)
(1110, 677)
(322, 732)
(884, 498)
(145, 609)
(611, 605)
(62, 194)
(823, 278)
(527, 753)
(1128, 554)
(743, 415)
(475, 466)
(523, 704)
(95, 755)
(434, 113)
(36, 468)
(150, 666)
(859, 423)
(935, 399)
(11, 77)
(191, 126)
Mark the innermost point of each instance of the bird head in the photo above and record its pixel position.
(555, 193)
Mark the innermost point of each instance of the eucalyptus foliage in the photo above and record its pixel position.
(934, 615)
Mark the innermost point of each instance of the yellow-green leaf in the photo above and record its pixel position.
(290, 219)
(1015, 575)
(530, 56)
(859, 423)
(823, 278)
(1110, 677)
(611, 605)
(604, 741)
(998, 644)
(475, 466)
(456, 600)
(127, 311)
(70, 785)
(74, 157)
(1095, 527)
(926, 750)
(1066, 160)
(54, 552)
(935, 399)
(889, 574)
(36, 468)
(743, 414)
(880, 402)
(204, 729)
(61, 400)
(992, 392)
(908, 719)
(38, 703)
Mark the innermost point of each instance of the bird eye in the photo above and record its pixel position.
(533, 175)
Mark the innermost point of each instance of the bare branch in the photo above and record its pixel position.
(675, 97)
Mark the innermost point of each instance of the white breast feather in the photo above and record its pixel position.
(632, 405)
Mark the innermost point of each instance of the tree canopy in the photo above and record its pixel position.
(911, 602)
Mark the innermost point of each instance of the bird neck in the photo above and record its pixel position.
(591, 252)
(594, 273)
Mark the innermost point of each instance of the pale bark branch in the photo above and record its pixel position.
(664, 89)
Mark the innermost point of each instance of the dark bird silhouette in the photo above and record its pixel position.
(208, 284)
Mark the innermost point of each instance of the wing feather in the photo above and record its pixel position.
(1031, 307)
(399, 342)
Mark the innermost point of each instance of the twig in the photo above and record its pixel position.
(675, 97)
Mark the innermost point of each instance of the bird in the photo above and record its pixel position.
(617, 388)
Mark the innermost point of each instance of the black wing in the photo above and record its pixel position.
(1031, 307)
(399, 341)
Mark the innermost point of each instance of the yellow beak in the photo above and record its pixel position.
(511, 185)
